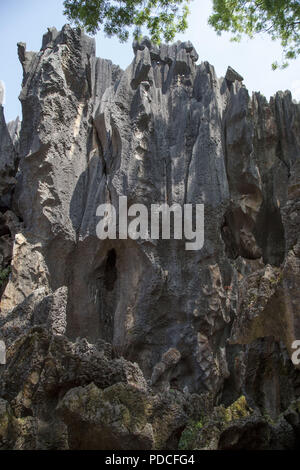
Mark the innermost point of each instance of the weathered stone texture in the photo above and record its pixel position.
(220, 320)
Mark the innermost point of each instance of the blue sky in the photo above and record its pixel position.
(27, 20)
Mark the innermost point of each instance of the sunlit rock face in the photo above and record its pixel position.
(220, 320)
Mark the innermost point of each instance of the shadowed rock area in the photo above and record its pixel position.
(141, 344)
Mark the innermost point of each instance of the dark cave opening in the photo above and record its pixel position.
(269, 233)
(237, 235)
(110, 270)
(106, 280)
(4, 229)
(266, 238)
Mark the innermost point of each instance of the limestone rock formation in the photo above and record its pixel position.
(94, 326)
(232, 75)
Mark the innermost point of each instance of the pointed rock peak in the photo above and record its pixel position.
(49, 37)
(22, 52)
(165, 52)
(232, 75)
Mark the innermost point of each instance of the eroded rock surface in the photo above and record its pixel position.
(91, 325)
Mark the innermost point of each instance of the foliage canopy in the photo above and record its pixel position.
(278, 18)
(162, 18)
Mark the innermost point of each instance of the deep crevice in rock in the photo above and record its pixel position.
(269, 232)
(106, 277)
(110, 272)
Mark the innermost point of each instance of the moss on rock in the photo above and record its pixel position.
(239, 409)
(205, 434)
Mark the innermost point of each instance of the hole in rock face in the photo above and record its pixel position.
(269, 232)
(174, 383)
(106, 278)
(238, 237)
(251, 239)
(4, 230)
(110, 272)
